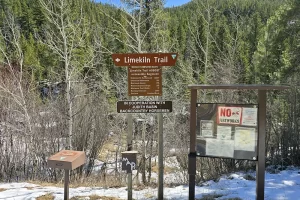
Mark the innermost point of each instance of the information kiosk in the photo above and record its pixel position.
(229, 131)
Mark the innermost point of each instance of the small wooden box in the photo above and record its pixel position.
(67, 159)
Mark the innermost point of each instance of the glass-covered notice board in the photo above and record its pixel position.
(227, 130)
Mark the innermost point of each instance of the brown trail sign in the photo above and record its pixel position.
(144, 71)
(144, 106)
(144, 59)
(144, 81)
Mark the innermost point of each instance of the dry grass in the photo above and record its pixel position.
(110, 147)
(46, 197)
(210, 196)
(95, 197)
(92, 181)
(98, 181)
(167, 169)
(149, 196)
(3, 189)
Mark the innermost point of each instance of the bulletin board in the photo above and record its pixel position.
(227, 130)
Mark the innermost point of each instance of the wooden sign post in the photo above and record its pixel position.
(67, 160)
(145, 79)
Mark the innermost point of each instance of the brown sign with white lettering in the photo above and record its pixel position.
(145, 81)
(144, 106)
(144, 59)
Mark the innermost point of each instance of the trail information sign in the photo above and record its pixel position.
(144, 106)
(144, 81)
(144, 71)
(227, 130)
(144, 59)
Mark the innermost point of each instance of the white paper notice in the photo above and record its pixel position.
(206, 128)
(249, 117)
(219, 148)
(224, 132)
(244, 139)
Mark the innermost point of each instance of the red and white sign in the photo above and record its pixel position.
(229, 115)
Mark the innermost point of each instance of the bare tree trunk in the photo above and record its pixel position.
(70, 112)
(64, 41)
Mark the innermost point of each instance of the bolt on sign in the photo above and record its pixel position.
(144, 59)
(145, 81)
(144, 106)
(129, 161)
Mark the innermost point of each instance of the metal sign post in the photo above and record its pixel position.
(128, 164)
(160, 192)
(66, 184)
(260, 164)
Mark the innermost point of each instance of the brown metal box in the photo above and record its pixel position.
(67, 159)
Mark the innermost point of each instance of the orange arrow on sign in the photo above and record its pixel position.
(144, 59)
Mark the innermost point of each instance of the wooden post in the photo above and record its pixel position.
(129, 186)
(261, 147)
(192, 155)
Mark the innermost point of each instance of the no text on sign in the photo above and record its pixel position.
(144, 59)
(144, 106)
